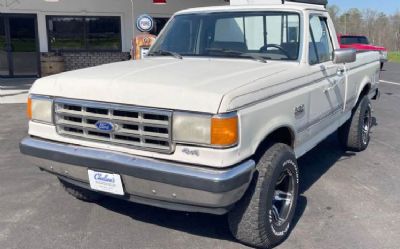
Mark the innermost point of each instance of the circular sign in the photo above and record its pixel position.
(144, 23)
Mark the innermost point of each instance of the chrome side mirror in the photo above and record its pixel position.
(346, 55)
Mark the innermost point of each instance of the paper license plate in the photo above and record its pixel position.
(106, 182)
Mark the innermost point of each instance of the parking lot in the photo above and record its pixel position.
(347, 200)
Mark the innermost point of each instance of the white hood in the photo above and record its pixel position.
(194, 84)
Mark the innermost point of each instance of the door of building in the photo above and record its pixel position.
(19, 46)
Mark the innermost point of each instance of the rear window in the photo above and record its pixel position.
(347, 40)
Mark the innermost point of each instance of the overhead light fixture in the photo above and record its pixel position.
(52, 1)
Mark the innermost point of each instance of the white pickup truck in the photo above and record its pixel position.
(213, 120)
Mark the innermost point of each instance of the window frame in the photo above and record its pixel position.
(313, 39)
(85, 34)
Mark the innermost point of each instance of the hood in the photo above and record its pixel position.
(194, 84)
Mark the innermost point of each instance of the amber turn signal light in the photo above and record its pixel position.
(29, 108)
(224, 131)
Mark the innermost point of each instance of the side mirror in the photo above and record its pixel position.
(346, 55)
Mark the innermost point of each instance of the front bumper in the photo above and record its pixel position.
(153, 182)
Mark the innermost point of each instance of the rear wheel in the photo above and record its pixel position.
(80, 193)
(262, 218)
(354, 135)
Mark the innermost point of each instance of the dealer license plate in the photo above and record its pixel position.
(106, 182)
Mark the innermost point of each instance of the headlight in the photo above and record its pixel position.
(206, 130)
(40, 109)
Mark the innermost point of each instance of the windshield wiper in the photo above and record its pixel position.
(165, 52)
(238, 53)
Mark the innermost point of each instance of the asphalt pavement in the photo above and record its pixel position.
(348, 200)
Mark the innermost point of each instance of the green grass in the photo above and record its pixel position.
(394, 57)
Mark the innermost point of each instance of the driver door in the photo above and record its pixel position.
(327, 96)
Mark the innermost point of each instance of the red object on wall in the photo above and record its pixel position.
(159, 1)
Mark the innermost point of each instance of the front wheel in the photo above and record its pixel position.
(262, 218)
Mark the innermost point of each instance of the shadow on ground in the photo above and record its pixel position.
(312, 167)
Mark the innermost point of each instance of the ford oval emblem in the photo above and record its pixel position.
(104, 126)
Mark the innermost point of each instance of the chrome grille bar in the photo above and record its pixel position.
(143, 128)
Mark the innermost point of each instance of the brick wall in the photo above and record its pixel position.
(78, 60)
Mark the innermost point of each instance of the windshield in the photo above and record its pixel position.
(347, 40)
(266, 35)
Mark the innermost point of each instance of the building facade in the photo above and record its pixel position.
(84, 32)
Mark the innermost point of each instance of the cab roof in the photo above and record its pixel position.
(259, 5)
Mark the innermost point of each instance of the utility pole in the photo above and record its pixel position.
(133, 31)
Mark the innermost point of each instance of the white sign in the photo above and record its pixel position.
(145, 23)
(106, 182)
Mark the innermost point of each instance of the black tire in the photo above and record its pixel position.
(354, 135)
(382, 64)
(253, 220)
(80, 193)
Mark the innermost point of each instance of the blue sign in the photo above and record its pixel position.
(145, 23)
(104, 126)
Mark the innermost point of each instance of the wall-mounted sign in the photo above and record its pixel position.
(145, 23)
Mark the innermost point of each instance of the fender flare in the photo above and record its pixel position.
(273, 126)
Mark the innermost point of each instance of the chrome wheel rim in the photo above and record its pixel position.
(282, 202)
(366, 126)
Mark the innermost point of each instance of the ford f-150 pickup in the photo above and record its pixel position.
(214, 119)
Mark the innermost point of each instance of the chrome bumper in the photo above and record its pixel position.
(153, 182)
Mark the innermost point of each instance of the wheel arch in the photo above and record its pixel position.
(280, 134)
(364, 90)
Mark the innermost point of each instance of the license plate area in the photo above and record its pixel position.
(106, 182)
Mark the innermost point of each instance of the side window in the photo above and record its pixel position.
(321, 48)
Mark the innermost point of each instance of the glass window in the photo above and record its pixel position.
(229, 30)
(84, 33)
(321, 43)
(103, 33)
(254, 38)
(270, 35)
(347, 40)
(66, 33)
(159, 23)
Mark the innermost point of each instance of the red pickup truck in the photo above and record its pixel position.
(361, 43)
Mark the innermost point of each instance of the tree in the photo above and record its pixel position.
(380, 28)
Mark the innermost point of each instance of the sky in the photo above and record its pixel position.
(387, 6)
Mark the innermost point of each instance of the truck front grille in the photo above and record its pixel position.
(143, 128)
